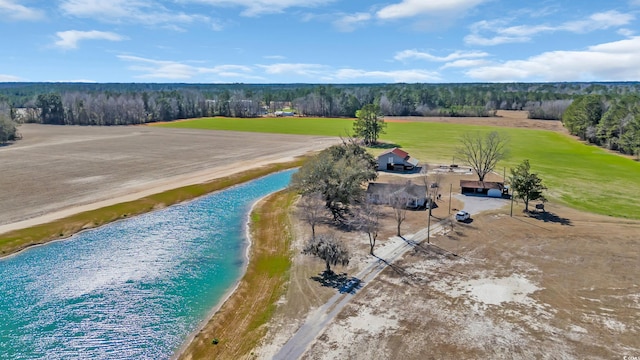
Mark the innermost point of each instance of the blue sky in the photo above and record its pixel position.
(319, 41)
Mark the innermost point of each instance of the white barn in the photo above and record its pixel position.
(396, 160)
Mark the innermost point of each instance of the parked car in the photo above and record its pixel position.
(463, 215)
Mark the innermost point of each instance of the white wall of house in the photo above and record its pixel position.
(385, 159)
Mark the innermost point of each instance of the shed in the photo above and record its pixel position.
(488, 188)
(396, 160)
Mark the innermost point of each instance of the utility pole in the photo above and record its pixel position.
(429, 224)
(512, 202)
(450, 189)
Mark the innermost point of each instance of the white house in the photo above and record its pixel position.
(396, 160)
(414, 196)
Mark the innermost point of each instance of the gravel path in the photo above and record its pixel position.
(478, 204)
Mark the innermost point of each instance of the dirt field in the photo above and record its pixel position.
(504, 118)
(56, 171)
(562, 284)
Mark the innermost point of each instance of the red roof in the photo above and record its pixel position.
(400, 153)
(481, 184)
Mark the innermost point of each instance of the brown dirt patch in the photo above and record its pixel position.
(504, 118)
(562, 285)
(57, 171)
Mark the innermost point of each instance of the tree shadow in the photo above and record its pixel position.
(432, 249)
(550, 217)
(396, 268)
(341, 282)
(383, 145)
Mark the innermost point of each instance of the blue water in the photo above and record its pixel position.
(134, 289)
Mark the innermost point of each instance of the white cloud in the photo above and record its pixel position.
(70, 39)
(407, 76)
(598, 21)
(503, 34)
(147, 12)
(350, 22)
(187, 71)
(9, 78)
(613, 61)
(413, 8)
(274, 57)
(260, 7)
(73, 81)
(466, 63)
(626, 32)
(174, 70)
(12, 9)
(415, 54)
(311, 70)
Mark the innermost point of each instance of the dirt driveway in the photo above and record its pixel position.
(478, 204)
(58, 170)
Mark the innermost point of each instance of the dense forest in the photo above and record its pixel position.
(610, 122)
(602, 113)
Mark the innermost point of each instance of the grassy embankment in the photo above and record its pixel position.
(15, 241)
(578, 175)
(238, 325)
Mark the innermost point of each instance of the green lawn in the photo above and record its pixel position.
(280, 125)
(582, 176)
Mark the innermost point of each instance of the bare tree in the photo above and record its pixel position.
(398, 201)
(311, 208)
(367, 219)
(329, 249)
(483, 153)
(424, 175)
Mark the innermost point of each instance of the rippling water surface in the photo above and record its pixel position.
(133, 289)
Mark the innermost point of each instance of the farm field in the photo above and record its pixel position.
(60, 170)
(578, 175)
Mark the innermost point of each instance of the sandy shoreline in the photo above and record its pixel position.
(245, 264)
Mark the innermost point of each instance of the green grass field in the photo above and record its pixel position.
(581, 176)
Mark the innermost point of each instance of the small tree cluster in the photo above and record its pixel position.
(369, 124)
(526, 185)
(337, 175)
(329, 249)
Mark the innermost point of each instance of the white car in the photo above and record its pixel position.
(463, 215)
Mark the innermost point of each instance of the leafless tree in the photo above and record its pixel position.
(424, 175)
(398, 201)
(311, 209)
(483, 152)
(367, 219)
(329, 249)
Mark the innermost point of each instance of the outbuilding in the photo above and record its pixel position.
(487, 188)
(396, 160)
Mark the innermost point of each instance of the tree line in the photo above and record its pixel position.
(613, 123)
(8, 127)
(120, 104)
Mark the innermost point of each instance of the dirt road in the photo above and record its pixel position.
(318, 320)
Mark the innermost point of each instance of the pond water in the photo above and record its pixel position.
(133, 289)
